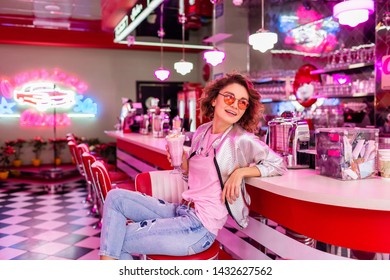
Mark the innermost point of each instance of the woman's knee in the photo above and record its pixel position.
(114, 196)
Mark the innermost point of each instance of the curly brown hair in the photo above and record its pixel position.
(250, 120)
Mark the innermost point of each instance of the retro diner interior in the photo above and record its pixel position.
(74, 72)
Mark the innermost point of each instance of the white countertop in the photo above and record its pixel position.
(146, 141)
(302, 184)
(308, 185)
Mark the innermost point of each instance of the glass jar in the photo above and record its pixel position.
(320, 118)
(336, 117)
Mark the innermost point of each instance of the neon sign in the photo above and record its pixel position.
(44, 95)
(136, 11)
(31, 117)
(6, 107)
(308, 31)
(85, 105)
(43, 90)
(385, 77)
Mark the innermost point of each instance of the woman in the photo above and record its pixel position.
(223, 153)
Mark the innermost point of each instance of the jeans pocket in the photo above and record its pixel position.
(203, 244)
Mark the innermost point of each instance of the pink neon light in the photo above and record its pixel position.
(306, 16)
(6, 88)
(341, 79)
(30, 117)
(55, 75)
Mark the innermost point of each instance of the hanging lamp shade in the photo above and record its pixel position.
(183, 67)
(263, 40)
(214, 57)
(353, 12)
(162, 74)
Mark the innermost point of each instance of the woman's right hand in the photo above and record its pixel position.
(184, 165)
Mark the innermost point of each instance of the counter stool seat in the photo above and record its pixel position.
(129, 185)
(117, 176)
(109, 166)
(209, 254)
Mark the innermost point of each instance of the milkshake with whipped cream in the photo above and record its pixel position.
(175, 143)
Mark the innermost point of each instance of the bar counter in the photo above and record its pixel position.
(351, 214)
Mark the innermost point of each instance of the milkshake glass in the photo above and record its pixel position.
(175, 143)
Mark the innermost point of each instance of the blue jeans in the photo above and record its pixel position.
(156, 227)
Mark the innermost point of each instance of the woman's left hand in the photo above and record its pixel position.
(232, 186)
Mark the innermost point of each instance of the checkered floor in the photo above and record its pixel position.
(37, 224)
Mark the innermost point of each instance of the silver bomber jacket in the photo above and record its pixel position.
(240, 148)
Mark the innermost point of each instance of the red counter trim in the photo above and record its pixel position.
(157, 159)
(361, 229)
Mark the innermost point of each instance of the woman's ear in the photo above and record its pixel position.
(213, 102)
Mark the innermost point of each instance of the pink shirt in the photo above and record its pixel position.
(204, 187)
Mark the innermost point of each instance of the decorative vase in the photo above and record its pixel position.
(4, 175)
(36, 162)
(17, 162)
(57, 161)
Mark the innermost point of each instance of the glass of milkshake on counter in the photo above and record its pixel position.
(175, 141)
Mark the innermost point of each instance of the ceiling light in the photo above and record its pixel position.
(263, 40)
(52, 7)
(183, 67)
(353, 12)
(214, 56)
(42, 23)
(237, 2)
(162, 73)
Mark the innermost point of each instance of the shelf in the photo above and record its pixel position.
(270, 80)
(350, 95)
(340, 69)
(271, 100)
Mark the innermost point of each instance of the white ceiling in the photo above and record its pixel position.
(57, 14)
(52, 9)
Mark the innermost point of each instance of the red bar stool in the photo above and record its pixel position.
(169, 187)
(102, 183)
(116, 177)
(80, 149)
(101, 177)
(73, 151)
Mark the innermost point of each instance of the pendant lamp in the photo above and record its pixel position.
(161, 73)
(214, 56)
(263, 40)
(183, 67)
(353, 12)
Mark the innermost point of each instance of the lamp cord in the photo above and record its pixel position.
(161, 33)
(182, 33)
(214, 21)
(262, 14)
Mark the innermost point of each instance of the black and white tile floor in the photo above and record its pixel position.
(36, 224)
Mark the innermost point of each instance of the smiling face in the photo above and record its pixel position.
(224, 114)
